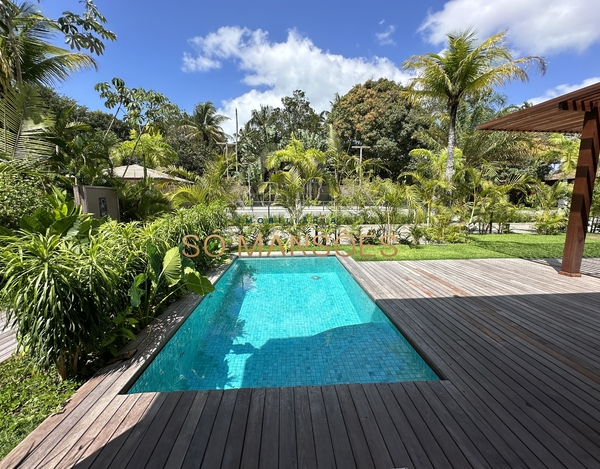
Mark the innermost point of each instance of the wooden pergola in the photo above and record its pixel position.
(575, 112)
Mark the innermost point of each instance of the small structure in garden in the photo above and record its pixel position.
(575, 112)
(135, 173)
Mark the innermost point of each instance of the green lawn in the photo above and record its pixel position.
(478, 247)
(27, 397)
(482, 247)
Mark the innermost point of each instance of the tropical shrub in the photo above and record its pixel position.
(61, 279)
(58, 292)
(550, 223)
(142, 201)
(164, 276)
(201, 221)
(20, 195)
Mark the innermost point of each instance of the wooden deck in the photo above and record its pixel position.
(8, 341)
(516, 343)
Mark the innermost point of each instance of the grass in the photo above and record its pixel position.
(484, 247)
(27, 397)
(529, 246)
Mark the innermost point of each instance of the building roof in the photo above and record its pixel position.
(136, 172)
(563, 114)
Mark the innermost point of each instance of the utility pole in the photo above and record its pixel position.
(360, 171)
(226, 155)
(236, 140)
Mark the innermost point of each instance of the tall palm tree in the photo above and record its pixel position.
(204, 124)
(465, 70)
(26, 54)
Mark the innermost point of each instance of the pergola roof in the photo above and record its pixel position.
(563, 114)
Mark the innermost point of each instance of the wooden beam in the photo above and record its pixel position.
(585, 176)
(580, 105)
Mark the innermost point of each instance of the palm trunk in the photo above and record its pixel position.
(451, 141)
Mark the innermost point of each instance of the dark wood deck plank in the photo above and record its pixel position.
(220, 431)
(415, 449)
(320, 429)
(119, 423)
(106, 455)
(534, 403)
(269, 444)
(127, 451)
(377, 444)
(429, 401)
(232, 455)
(188, 429)
(197, 448)
(142, 454)
(170, 435)
(358, 441)
(305, 439)
(287, 429)
(434, 451)
(393, 441)
(516, 437)
(83, 437)
(518, 416)
(340, 440)
(252, 440)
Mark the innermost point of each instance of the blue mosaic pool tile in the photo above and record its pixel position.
(284, 322)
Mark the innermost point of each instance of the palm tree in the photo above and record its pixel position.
(430, 182)
(149, 147)
(465, 70)
(342, 163)
(26, 55)
(296, 170)
(564, 149)
(204, 124)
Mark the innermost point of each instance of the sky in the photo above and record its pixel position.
(241, 54)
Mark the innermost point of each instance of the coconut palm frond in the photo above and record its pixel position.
(23, 125)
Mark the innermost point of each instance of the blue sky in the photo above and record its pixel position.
(239, 54)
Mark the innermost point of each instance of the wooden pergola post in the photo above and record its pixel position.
(585, 176)
(572, 113)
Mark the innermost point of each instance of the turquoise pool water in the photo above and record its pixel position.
(284, 322)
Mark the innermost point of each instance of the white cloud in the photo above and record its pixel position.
(282, 67)
(385, 37)
(563, 89)
(535, 26)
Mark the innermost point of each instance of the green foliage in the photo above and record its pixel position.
(377, 115)
(201, 221)
(563, 150)
(204, 125)
(142, 201)
(70, 282)
(465, 70)
(550, 223)
(23, 124)
(27, 398)
(27, 52)
(20, 194)
(149, 149)
(298, 178)
(167, 276)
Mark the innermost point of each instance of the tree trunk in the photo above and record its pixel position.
(451, 141)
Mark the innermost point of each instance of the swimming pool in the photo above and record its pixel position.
(279, 322)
